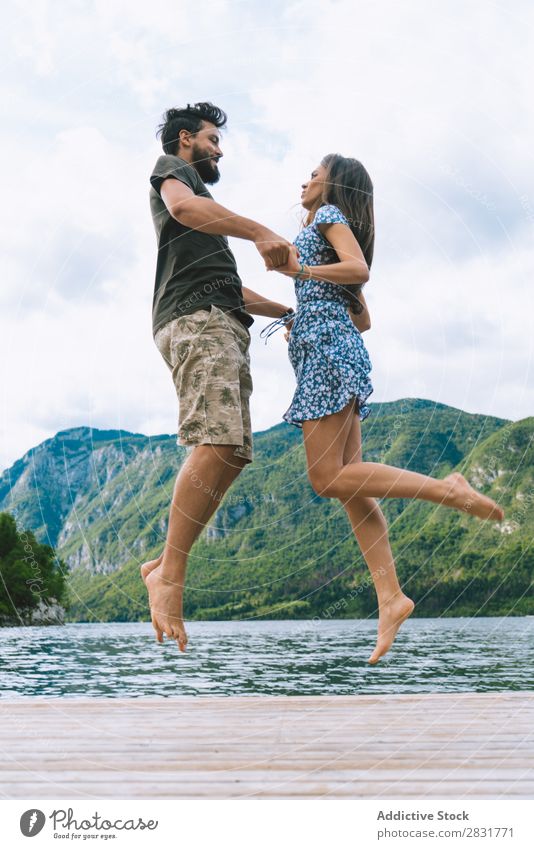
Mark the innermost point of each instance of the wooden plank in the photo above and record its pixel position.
(344, 757)
(435, 772)
(318, 789)
(474, 745)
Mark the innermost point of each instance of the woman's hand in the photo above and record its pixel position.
(361, 321)
(292, 266)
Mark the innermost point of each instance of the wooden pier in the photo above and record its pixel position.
(457, 745)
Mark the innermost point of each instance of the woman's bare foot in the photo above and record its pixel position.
(166, 607)
(390, 617)
(462, 496)
(149, 566)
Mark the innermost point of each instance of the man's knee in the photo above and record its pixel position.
(223, 456)
(219, 463)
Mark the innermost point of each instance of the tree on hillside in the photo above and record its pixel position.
(30, 573)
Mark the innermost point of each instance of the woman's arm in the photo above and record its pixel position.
(362, 321)
(351, 268)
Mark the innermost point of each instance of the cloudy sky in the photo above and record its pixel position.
(433, 97)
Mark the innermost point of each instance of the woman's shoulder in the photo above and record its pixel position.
(329, 214)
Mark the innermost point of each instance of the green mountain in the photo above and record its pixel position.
(274, 548)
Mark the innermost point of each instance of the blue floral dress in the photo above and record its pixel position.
(326, 350)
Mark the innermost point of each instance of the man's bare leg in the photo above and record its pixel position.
(228, 477)
(196, 496)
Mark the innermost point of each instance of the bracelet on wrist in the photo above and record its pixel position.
(300, 272)
(289, 312)
(304, 270)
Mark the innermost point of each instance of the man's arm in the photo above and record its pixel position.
(258, 305)
(208, 216)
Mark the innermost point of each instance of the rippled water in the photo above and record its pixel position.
(269, 658)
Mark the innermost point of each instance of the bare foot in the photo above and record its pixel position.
(147, 567)
(390, 618)
(462, 496)
(166, 606)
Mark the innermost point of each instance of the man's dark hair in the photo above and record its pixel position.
(189, 119)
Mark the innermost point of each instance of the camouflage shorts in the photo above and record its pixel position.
(207, 353)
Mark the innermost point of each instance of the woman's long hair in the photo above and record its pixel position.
(348, 186)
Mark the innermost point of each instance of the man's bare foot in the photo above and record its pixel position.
(390, 617)
(462, 496)
(149, 566)
(166, 607)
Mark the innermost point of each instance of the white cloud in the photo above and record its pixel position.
(32, 37)
(433, 99)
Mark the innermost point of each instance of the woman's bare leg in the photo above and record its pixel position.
(147, 568)
(324, 440)
(371, 531)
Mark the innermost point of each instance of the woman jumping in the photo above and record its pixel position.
(333, 255)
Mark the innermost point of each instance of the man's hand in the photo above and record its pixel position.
(292, 265)
(259, 305)
(273, 249)
(289, 325)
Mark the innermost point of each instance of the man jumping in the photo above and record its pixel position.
(200, 318)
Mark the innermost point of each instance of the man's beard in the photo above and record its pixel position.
(205, 167)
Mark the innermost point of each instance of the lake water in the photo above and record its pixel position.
(267, 658)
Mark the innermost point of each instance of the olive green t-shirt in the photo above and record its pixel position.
(194, 269)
